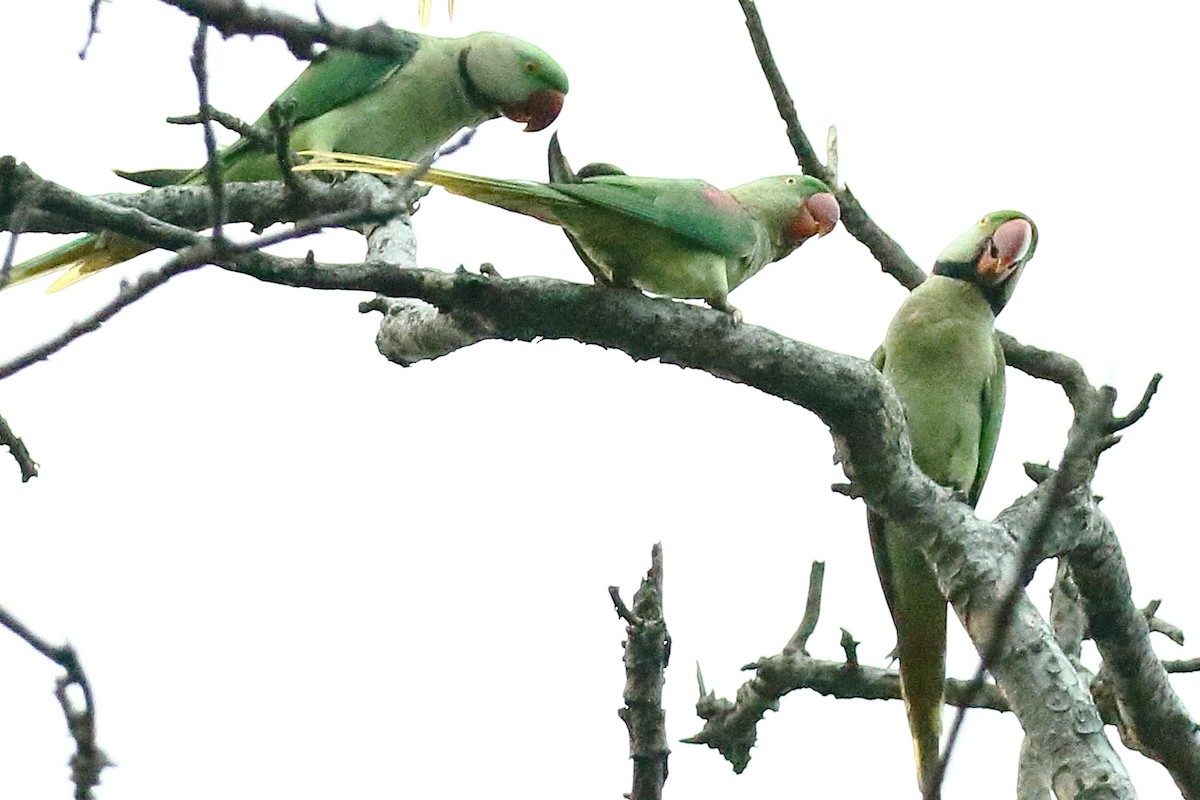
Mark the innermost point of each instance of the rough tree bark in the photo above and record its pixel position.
(981, 565)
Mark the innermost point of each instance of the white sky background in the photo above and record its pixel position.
(294, 569)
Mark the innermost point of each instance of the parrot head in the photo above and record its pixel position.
(515, 78)
(795, 208)
(991, 255)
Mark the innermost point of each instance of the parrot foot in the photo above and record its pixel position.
(723, 305)
(488, 269)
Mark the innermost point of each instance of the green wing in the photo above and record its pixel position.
(692, 209)
(876, 523)
(333, 79)
(992, 411)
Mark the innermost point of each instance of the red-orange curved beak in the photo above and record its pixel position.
(818, 216)
(538, 109)
(1009, 244)
(825, 211)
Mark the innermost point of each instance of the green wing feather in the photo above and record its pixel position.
(334, 79)
(992, 405)
(692, 209)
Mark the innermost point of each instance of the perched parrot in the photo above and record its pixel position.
(403, 107)
(679, 238)
(942, 357)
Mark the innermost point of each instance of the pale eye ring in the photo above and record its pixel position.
(531, 67)
(789, 181)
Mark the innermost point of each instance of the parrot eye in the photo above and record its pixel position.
(789, 181)
(531, 67)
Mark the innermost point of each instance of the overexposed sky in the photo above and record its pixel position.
(292, 568)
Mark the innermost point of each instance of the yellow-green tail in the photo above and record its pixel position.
(919, 613)
(922, 652)
(524, 197)
(83, 257)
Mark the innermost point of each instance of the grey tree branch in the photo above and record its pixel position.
(890, 255)
(974, 560)
(232, 17)
(197, 250)
(647, 651)
(837, 388)
(262, 204)
(1154, 719)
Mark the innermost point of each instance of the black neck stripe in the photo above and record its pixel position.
(476, 97)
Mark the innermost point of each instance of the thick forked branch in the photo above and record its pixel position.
(1145, 677)
(891, 257)
(974, 560)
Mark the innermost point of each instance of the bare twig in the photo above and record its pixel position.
(281, 115)
(89, 760)
(227, 121)
(1158, 625)
(212, 163)
(812, 610)
(93, 28)
(9, 439)
(887, 252)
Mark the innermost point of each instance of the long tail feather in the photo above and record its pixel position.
(83, 257)
(919, 613)
(524, 197)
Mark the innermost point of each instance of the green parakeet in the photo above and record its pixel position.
(679, 238)
(941, 355)
(401, 107)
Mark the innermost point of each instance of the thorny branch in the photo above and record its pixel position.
(729, 727)
(88, 760)
(647, 651)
